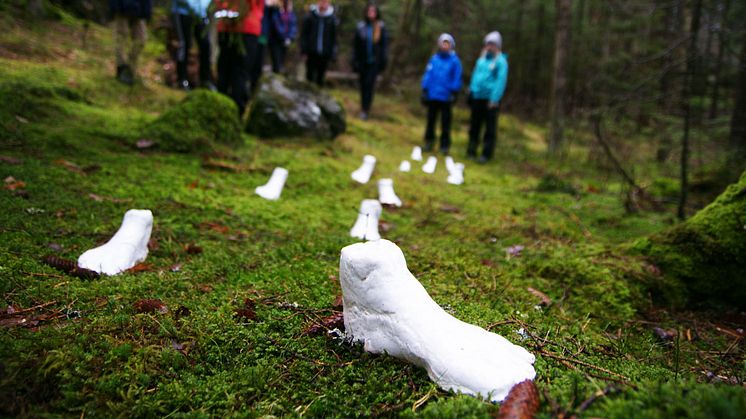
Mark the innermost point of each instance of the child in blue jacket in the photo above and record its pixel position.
(487, 86)
(440, 84)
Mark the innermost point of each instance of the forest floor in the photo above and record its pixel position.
(243, 278)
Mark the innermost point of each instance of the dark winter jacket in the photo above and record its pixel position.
(142, 9)
(284, 25)
(442, 79)
(365, 52)
(319, 33)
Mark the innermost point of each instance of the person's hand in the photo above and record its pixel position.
(493, 105)
(288, 41)
(304, 57)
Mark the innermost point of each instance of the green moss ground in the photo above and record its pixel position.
(98, 357)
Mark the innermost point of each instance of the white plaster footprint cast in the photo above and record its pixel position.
(273, 189)
(450, 164)
(416, 153)
(405, 166)
(389, 311)
(386, 194)
(366, 226)
(127, 248)
(362, 174)
(456, 176)
(429, 166)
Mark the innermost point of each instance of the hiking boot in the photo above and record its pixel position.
(444, 151)
(209, 85)
(364, 116)
(483, 160)
(184, 85)
(428, 147)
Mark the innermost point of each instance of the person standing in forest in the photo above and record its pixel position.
(130, 17)
(283, 28)
(318, 41)
(440, 86)
(239, 27)
(190, 20)
(369, 54)
(488, 81)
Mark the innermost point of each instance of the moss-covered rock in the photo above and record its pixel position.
(288, 108)
(704, 257)
(201, 121)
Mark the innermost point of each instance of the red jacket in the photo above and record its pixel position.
(250, 24)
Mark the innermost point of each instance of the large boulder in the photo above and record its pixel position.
(704, 258)
(288, 108)
(201, 121)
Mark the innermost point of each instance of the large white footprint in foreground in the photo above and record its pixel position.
(389, 311)
(127, 248)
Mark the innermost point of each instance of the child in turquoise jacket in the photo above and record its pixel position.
(488, 81)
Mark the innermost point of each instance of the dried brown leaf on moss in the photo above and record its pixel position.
(150, 305)
(522, 402)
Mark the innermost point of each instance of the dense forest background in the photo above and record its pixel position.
(670, 70)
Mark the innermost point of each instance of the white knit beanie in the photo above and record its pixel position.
(447, 37)
(494, 38)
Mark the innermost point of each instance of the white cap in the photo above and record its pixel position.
(447, 37)
(494, 38)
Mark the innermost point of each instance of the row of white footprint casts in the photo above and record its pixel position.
(455, 170)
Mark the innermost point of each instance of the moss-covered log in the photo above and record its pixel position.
(704, 258)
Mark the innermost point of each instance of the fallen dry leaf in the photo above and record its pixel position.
(193, 249)
(545, 300)
(385, 226)
(247, 312)
(141, 267)
(204, 288)
(12, 184)
(220, 165)
(217, 227)
(522, 402)
(337, 301)
(143, 144)
(152, 305)
(335, 321)
(70, 166)
(450, 208)
(10, 160)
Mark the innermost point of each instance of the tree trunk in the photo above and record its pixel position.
(559, 76)
(738, 122)
(717, 72)
(533, 75)
(691, 66)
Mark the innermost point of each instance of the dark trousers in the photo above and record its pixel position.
(433, 108)
(277, 51)
(258, 66)
(237, 57)
(368, 76)
(188, 27)
(481, 114)
(316, 69)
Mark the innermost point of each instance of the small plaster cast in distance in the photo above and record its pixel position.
(366, 226)
(273, 189)
(386, 194)
(362, 174)
(405, 166)
(127, 248)
(388, 311)
(456, 176)
(416, 153)
(429, 166)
